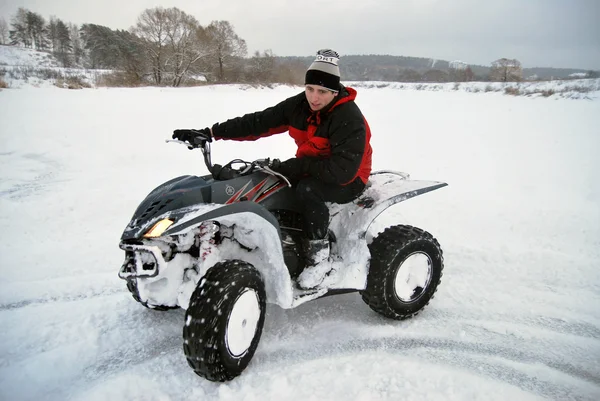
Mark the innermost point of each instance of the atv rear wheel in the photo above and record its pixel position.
(133, 289)
(224, 320)
(404, 273)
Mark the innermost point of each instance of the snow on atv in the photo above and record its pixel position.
(223, 245)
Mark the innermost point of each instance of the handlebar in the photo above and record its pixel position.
(227, 171)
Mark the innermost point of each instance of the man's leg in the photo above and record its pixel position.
(313, 194)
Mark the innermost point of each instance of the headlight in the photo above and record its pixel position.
(159, 228)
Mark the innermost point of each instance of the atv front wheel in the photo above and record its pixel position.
(404, 273)
(224, 320)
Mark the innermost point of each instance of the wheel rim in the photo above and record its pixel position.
(413, 277)
(242, 322)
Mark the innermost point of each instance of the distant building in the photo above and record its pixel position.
(458, 65)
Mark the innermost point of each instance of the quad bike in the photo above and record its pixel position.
(223, 245)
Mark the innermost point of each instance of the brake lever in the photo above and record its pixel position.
(177, 141)
(189, 145)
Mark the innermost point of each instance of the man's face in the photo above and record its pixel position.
(318, 96)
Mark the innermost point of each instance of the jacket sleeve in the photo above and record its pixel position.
(252, 126)
(348, 139)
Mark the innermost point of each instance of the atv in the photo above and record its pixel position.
(223, 245)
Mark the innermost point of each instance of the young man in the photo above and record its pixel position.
(333, 160)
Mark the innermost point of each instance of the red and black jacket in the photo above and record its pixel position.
(333, 143)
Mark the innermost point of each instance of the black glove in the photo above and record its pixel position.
(293, 168)
(196, 138)
(223, 172)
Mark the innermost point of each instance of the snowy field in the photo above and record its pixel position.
(517, 316)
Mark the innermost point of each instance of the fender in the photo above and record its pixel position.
(226, 210)
(259, 232)
(350, 223)
(384, 189)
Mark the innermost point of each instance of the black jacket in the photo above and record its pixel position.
(333, 143)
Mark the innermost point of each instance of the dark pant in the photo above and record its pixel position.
(313, 194)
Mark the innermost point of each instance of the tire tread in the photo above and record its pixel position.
(205, 356)
(384, 248)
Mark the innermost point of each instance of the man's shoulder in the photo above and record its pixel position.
(347, 110)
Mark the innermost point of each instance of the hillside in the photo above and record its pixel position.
(390, 68)
(22, 57)
(21, 67)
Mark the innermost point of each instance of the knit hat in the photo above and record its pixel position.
(324, 71)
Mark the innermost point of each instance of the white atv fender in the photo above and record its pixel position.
(350, 222)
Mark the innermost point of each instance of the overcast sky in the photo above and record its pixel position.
(539, 33)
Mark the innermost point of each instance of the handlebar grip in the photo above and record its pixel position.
(222, 173)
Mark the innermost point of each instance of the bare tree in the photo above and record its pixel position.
(227, 46)
(289, 72)
(435, 76)
(592, 74)
(186, 44)
(3, 31)
(410, 75)
(469, 75)
(152, 29)
(261, 67)
(460, 71)
(506, 70)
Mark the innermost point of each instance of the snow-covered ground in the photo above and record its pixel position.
(568, 89)
(517, 316)
(20, 56)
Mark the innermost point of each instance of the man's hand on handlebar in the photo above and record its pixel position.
(196, 138)
(293, 168)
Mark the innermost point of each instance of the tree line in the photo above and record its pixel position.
(164, 47)
(377, 67)
(170, 47)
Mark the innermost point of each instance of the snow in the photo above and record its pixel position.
(20, 56)
(568, 89)
(27, 68)
(516, 315)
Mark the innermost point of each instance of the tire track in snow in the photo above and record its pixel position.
(478, 358)
(104, 335)
(22, 294)
(62, 298)
(528, 352)
(45, 172)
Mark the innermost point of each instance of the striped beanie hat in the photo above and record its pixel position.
(324, 71)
